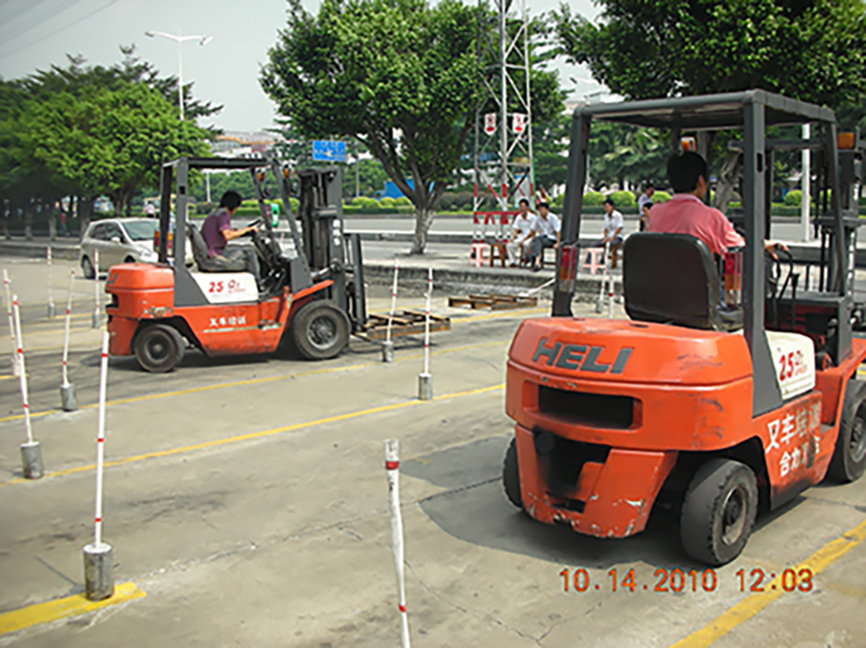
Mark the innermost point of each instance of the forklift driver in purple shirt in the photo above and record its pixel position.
(217, 231)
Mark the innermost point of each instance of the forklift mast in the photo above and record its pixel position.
(329, 251)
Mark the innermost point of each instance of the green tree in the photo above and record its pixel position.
(814, 51)
(398, 75)
(109, 140)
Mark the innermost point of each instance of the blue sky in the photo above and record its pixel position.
(36, 33)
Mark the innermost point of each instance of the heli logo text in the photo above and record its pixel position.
(579, 357)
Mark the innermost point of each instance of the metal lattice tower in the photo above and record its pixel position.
(503, 122)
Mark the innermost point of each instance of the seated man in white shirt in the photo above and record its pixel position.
(546, 230)
(613, 224)
(519, 229)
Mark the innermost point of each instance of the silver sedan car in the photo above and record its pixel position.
(119, 240)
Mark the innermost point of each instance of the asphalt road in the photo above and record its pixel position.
(592, 225)
(247, 498)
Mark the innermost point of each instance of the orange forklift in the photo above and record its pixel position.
(713, 407)
(312, 294)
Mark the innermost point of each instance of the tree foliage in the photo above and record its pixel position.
(398, 75)
(88, 131)
(813, 51)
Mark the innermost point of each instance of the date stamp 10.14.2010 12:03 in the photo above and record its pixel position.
(664, 580)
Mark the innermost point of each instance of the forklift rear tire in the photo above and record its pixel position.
(319, 331)
(849, 458)
(511, 475)
(718, 511)
(158, 348)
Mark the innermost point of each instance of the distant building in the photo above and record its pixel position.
(237, 144)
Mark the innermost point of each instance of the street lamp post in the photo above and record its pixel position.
(203, 40)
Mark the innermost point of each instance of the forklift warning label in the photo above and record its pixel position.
(794, 438)
(579, 357)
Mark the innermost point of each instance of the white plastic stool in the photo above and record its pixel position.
(595, 261)
(478, 254)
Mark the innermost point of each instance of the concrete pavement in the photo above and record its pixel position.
(247, 498)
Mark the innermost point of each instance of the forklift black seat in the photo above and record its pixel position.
(673, 279)
(211, 264)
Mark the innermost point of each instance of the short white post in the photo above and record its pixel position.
(388, 346)
(98, 576)
(15, 369)
(50, 289)
(425, 380)
(392, 466)
(31, 453)
(96, 289)
(67, 390)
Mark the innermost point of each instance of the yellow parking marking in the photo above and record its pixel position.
(751, 605)
(64, 608)
(252, 381)
(258, 435)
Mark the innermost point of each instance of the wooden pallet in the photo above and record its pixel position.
(406, 322)
(494, 301)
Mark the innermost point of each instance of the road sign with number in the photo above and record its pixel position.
(329, 151)
(518, 123)
(490, 123)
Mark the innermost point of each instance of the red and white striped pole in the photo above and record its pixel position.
(14, 360)
(388, 346)
(50, 288)
(96, 289)
(31, 453)
(425, 380)
(392, 466)
(599, 306)
(98, 576)
(67, 390)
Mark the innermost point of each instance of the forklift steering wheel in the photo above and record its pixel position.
(256, 223)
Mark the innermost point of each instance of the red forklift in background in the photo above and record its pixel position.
(713, 407)
(312, 296)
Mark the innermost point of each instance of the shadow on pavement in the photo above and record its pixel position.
(474, 509)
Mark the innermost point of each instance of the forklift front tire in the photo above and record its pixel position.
(511, 475)
(158, 348)
(319, 331)
(718, 511)
(849, 457)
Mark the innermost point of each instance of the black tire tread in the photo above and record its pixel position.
(511, 475)
(855, 395)
(298, 327)
(173, 333)
(703, 495)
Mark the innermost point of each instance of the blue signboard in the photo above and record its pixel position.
(329, 151)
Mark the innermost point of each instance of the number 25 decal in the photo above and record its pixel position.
(216, 286)
(787, 362)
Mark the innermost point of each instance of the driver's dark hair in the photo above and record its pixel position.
(230, 200)
(683, 171)
(523, 201)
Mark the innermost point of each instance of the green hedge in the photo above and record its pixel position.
(623, 199)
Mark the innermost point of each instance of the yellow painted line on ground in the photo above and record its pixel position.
(259, 435)
(751, 605)
(63, 608)
(251, 381)
(517, 312)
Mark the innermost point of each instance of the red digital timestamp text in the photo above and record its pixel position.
(679, 580)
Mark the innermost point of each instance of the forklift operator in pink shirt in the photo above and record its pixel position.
(684, 213)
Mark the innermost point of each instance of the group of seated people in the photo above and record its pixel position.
(684, 213)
